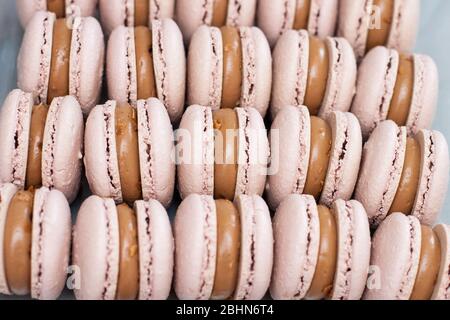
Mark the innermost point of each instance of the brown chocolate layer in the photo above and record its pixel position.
(58, 7)
(145, 71)
(226, 127)
(220, 13)
(317, 75)
(128, 152)
(141, 12)
(232, 67)
(319, 159)
(228, 250)
(17, 243)
(430, 262)
(379, 35)
(302, 10)
(403, 91)
(58, 83)
(128, 282)
(34, 161)
(409, 181)
(322, 283)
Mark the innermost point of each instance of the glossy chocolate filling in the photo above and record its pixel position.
(409, 181)
(58, 83)
(322, 283)
(226, 128)
(34, 161)
(319, 159)
(232, 68)
(220, 12)
(317, 75)
(128, 152)
(403, 91)
(302, 11)
(145, 71)
(228, 250)
(379, 35)
(17, 243)
(141, 12)
(430, 261)
(58, 7)
(128, 280)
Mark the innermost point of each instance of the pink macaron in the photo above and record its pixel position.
(40, 145)
(62, 8)
(35, 236)
(307, 70)
(320, 253)
(129, 152)
(133, 13)
(121, 252)
(78, 71)
(222, 153)
(401, 174)
(191, 14)
(399, 87)
(144, 63)
(223, 250)
(410, 261)
(370, 23)
(318, 17)
(313, 156)
(229, 67)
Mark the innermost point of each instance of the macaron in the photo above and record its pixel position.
(367, 24)
(60, 57)
(133, 13)
(123, 253)
(143, 63)
(403, 174)
(41, 145)
(191, 14)
(35, 236)
(224, 250)
(396, 86)
(411, 261)
(62, 8)
(318, 17)
(229, 67)
(320, 253)
(221, 153)
(320, 74)
(313, 156)
(129, 152)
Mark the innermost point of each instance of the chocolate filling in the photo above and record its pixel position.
(220, 12)
(232, 67)
(403, 91)
(128, 281)
(228, 250)
(302, 11)
(128, 152)
(379, 35)
(145, 71)
(141, 12)
(58, 7)
(319, 159)
(317, 74)
(58, 83)
(34, 161)
(17, 243)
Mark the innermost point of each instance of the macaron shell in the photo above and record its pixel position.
(195, 234)
(241, 13)
(345, 158)
(442, 288)
(50, 247)
(161, 9)
(15, 118)
(405, 24)
(323, 17)
(195, 152)
(96, 249)
(395, 255)
(33, 61)
(296, 230)
(114, 13)
(434, 176)
(191, 14)
(26, 9)
(156, 250)
(62, 149)
(290, 150)
(383, 154)
(7, 191)
(256, 258)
